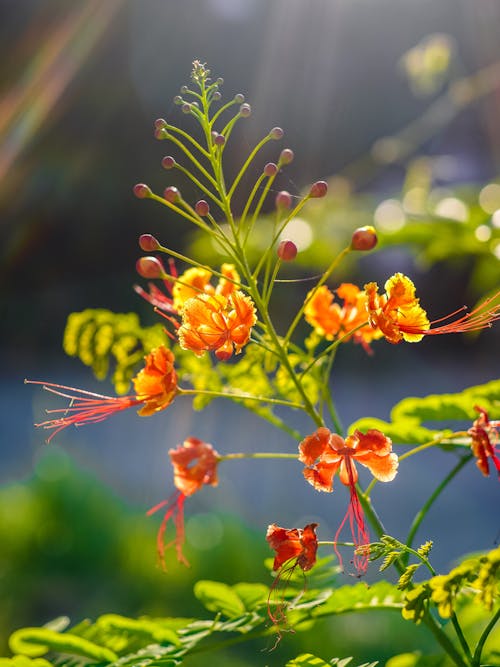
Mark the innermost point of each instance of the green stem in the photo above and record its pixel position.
(432, 498)
(476, 660)
(245, 397)
(258, 455)
(188, 137)
(199, 184)
(247, 163)
(192, 158)
(461, 637)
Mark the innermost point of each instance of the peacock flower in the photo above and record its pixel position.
(399, 316)
(294, 547)
(195, 465)
(325, 453)
(192, 282)
(215, 322)
(155, 386)
(332, 320)
(485, 438)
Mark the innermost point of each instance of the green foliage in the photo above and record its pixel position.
(95, 336)
(310, 660)
(409, 416)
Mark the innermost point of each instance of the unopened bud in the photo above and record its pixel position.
(148, 243)
(160, 123)
(220, 140)
(364, 238)
(245, 110)
(172, 194)
(276, 133)
(239, 98)
(318, 189)
(168, 162)
(142, 191)
(160, 133)
(186, 107)
(283, 199)
(216, 96)
(149, 267)
(270, 169)
(286, 156)
(184, 90)
(178, 100)
(202, 208)
(287, 250)
(219, 81)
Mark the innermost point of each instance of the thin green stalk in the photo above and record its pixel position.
(246, 164)
(461, 637)
(181, 212)
(193, 159)
(188, 137)
(321, 281)
(430, 501)
(476, 660)
(199, 184)
(220, 112)
(245, 397)
(327, 395)
(258, 455)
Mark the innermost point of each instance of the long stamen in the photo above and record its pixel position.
(175, 509)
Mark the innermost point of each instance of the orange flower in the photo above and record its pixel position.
(217, 323)
(155, 385)
(195, 464)
(399, 316)
(484, 435)
(294, 547)
(324, 453)
(331, 320)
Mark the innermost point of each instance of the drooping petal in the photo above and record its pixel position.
(313, 446)
(293, 543)
(156, 384)
(321, 475)
(195, 464)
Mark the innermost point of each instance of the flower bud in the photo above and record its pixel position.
(220, 140)
(286, 156)
(219, 81)
(184, 90)
(202, 208)
(318, 189)
(172, 194)
(283, 199)
(364, 238)
(148, 243)
(276, 133)
(168, 162)
(178, 100)
(216, 97)
(270, 169)
(245, 110)
(149, 267)
(239, 98)
(160, 133)
(160, 123)
(186, 107)
(287, 250)
(142, 191)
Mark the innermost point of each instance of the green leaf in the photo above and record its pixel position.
(35, 642)
(307, 660)
(360, 597)
(219, 597)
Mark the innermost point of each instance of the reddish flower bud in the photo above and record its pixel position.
(283, 199)
(186, 107)
(168, 162)
(270, 169)
(318, 189)
(286, 156)
(245, 110)
(364, 238)
(161, 133)
(202, 208)
(172, 194)
(142, 191)
(276, 133)
(287, 250)
(148, 242)
(220, 140)
(239, 98)
(149, 267)
(160, 123)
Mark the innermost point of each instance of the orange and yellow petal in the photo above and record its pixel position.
(195, 464)
(156, 384)
(321, 475)
(400, 290)
(192, 282)
(226, 287)
(293, 543)
(321, 313)
(314, 445)
(412, 322)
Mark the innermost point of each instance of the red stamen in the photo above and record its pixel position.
(175, 509)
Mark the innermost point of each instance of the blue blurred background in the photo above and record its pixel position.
(81, 84)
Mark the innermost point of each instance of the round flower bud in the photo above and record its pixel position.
(142, 191)
(148, 242)
(160, 123)
(364, 238)
(149, 267)
(239, 98)
(219, 81)
(318, 189)
(216, 96)
(220, 140)
(287, 250)
(184, 90)
(270, 169)
(160, 133)
(286, 156)
(171, 194)
(202, 208)
(283, 199)
(245, 110)
(178, 100)
(186, 107)
(276, 133)
(168, 162)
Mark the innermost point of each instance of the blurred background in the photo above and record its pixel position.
(396, 104)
